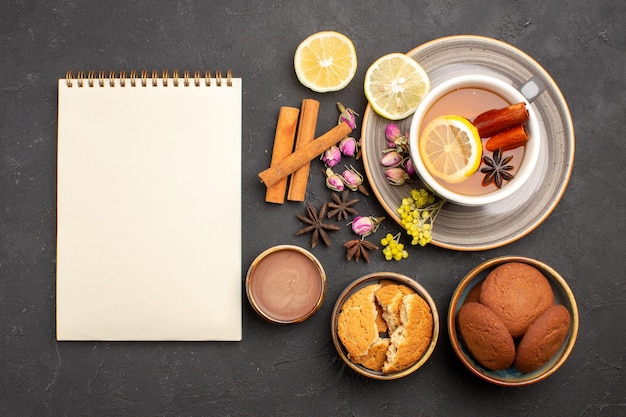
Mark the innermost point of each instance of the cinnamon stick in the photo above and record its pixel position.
(283, 145)
(306, 133)
(508, 139)
(304, 155)
(493, 121)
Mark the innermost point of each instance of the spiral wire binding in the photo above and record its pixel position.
(91, 79)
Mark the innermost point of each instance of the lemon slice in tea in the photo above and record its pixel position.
(450, 148)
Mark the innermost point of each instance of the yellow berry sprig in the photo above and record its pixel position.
(392, 248)
(417, 215)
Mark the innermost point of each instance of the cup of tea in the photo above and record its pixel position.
(467, 97)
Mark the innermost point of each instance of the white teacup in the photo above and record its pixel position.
(509, 94)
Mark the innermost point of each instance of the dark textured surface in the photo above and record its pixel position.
(294, 370)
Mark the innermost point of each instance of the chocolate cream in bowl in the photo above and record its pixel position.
(286, 284)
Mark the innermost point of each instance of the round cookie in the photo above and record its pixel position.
(543, 339)
(375, 356)
(411, 338)
(485, 336)
(473, 296)
(390, 298)
(356, 325)
(518, 293)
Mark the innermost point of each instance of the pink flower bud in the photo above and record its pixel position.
(365, 226)
(331, 156)
(409, 167)
(396, 176)
(348, 146)
(334, 181)
(395, 137)
(392, 131)
(352, 178)
(347, 115)
(391, 158)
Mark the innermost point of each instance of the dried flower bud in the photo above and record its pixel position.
(391, 158)
(392, 131)
(409, 167)
(347, 115)
(334, 181)
(332, 156)
(395, 138)
(396, 176)
(352, 178)
(348, 146)
(365, 226)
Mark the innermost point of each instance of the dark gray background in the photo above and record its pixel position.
(294, 370)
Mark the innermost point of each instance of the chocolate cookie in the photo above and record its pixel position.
(473, 296)
(543, 339)
(518, 293)
(485, 336)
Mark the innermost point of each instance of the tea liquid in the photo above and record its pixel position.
(469, 103)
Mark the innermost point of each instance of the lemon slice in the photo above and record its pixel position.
(450, 148)
(325, 61)
(395, 85)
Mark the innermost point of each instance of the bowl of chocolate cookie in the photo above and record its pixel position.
(385, 325)
(513, 321)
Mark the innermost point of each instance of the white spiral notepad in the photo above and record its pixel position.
(149, 207)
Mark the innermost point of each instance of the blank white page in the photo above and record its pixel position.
(149, 211)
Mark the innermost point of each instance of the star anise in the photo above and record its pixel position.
(358, 248)
(314, 221)
(497, 169)
(341, 207)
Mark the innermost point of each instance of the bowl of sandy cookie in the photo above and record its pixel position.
(385, 325)
(513, 321)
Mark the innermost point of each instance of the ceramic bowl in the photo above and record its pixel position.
(511, 95)
(512, 376)
(375, 278)
(286, 284)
